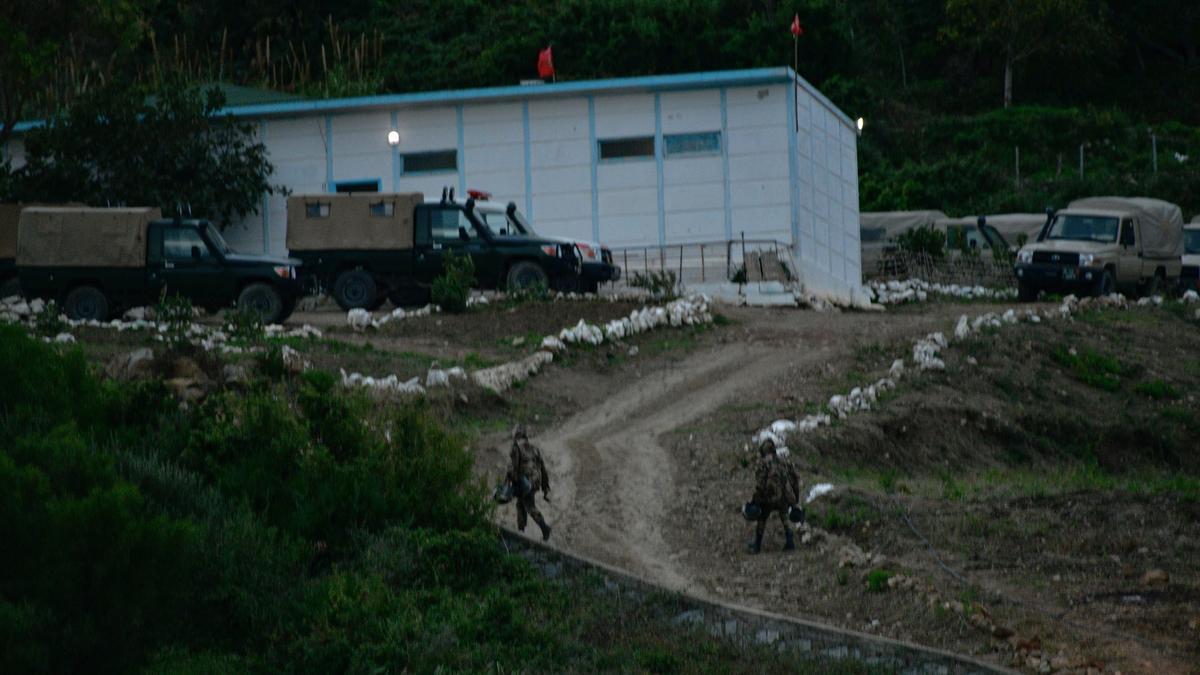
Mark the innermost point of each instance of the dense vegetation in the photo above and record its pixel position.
(285, 528)
(934, 78)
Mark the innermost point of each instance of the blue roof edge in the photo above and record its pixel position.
(719, 78)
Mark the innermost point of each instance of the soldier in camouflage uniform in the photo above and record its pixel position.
(777, 487)
(528, 474)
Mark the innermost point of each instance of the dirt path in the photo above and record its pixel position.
(614, 482)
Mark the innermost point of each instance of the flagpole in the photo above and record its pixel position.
(795, 74)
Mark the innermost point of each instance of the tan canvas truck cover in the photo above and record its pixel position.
(894, 223)
(363, 222)
(1009, 225)
(83, 237)
(1162, 222)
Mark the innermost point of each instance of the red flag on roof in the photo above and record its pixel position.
(797, 29)
(545, 63)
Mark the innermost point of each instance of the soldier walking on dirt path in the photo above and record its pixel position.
(527, 472)
(776, 489)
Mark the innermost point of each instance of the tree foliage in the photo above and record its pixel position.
(172, 150)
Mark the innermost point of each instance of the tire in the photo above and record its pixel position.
(1026, 293)
(525, 274)
(263, 300)
(355, 289)
(10, 288)
(1107, 284)
(86, 303)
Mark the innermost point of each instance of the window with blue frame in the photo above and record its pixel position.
(429, 162)
(627, 148)
(707, 142)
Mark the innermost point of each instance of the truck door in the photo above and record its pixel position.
(189, 267)
(1129, 269)
(440, 230)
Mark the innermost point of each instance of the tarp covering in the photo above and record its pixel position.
(893, 223)
(1161, 222)
(83, 237)
(369, 221)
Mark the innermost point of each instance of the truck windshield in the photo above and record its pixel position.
(1191, 241)
(214, 236)
(1083, 228)
(497, 223)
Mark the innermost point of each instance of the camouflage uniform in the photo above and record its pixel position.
(776, 487)
(526, 469)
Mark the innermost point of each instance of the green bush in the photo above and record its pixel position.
(452, 288)
(924, 240)
(877, 580)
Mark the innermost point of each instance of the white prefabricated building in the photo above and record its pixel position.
(643, 162)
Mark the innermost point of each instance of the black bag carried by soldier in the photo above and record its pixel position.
(796, 514)
(504, 492)
(751, 511)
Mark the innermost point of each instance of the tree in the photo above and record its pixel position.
(37, 37)
(172, 150)
(1021, 28)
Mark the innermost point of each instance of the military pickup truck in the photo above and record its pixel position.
(1189, 276)
(368, 248)
(94, 262)
(1102, 245)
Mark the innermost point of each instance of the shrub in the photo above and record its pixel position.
(177, 313)
(923, 240)
(877, 580)
(452, 288)
(661, 284)
(50, 322)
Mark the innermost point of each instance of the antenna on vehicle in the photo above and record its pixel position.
(444, 188)
(451, 194)
(189, 209)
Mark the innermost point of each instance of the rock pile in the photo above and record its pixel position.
(917, 290)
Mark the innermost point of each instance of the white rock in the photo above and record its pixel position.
(358, 318)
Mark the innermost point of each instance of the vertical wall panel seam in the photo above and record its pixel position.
(528, 165)
(658, 160)
(395, 154)
(462, 151)
(793, 168)
(329, 153)
(594, 159)
(728, 187)
(266, 198)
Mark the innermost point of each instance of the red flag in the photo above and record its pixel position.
(545, 63)
(797, 29)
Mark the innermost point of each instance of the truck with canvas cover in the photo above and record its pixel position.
(878, 231)
(368, 248)
(1189, 275)
(10, 217)
(96, 261)
(1102, 245)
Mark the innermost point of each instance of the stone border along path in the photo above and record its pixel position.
(926, 356)
(689, 311)
(748, 627)
(15, 309)
(918, 290)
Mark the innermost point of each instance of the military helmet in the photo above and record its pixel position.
(519, 432)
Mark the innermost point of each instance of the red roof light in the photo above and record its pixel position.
(479, 195)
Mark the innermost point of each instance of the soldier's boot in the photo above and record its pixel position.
(756, 545)
(541, 522)
(791, 540)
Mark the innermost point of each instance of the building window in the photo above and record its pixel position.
(692, 144)
(429, 162)
(383, 209)
(351, 186)
(317, 210)
(627, 148)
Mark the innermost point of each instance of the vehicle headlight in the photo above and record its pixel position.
(285, 272)
(1086, 259)
(1024, 256)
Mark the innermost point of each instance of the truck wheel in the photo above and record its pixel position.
(1107, 284)
(354, 289)
(526, 275)
(263, 300)
(10, 288)
(1026, 292)
(85, 303)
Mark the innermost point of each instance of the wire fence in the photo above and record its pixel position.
(737, 260)
(953, 268)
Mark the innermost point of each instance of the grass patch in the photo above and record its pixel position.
(1157, 390)
(1091, 367)
(877, 580)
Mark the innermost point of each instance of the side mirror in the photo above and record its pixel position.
(196, 253)
(462, 234)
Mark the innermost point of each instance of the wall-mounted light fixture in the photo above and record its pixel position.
(859, 122)
(394, 136)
